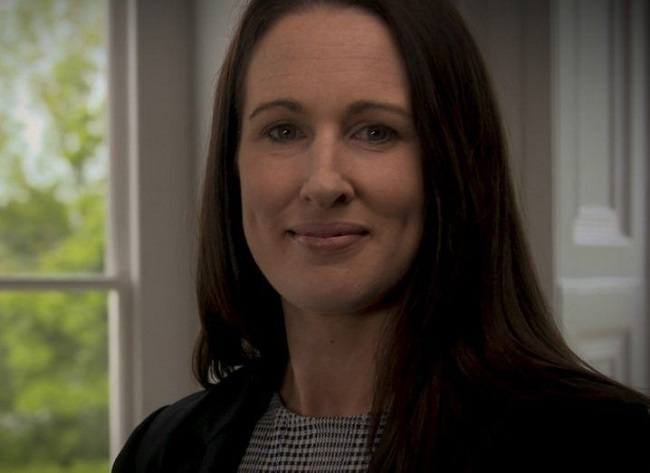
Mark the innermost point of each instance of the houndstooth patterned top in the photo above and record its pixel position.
(284, 441)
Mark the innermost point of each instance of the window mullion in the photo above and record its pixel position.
(90, 282)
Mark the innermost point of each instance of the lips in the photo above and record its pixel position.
(326, 230)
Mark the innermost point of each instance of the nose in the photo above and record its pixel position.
(326, 183)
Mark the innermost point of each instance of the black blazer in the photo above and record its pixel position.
(207, 432)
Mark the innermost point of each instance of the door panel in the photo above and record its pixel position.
(571, 77)
(600, 153)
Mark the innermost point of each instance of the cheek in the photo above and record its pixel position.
(398, 193)
(255, 207)
(265, 193)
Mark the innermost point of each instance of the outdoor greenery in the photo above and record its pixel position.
(53, 180)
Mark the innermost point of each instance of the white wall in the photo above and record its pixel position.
(514, 37)
(213, 24)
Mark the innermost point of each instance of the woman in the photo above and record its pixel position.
(366, 295)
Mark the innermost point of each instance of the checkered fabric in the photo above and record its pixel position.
(284, 441)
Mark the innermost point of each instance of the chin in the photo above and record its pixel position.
(333, 302)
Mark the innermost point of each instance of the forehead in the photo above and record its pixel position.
(327, 54)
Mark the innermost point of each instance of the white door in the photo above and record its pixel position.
(572, 80)
(600, 149)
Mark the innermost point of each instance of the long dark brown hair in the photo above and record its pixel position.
(472, 327)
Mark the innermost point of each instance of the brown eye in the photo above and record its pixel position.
(282, 133)
(378, 134)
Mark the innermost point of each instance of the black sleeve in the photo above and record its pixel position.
(127, 460)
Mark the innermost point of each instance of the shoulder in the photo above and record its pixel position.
(190, 421)
(559, 434)
(215, 400)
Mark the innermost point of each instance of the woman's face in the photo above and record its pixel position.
(327, 154)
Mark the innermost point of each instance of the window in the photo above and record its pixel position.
(139, 290)
(54, 285)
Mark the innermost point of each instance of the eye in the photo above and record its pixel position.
(281, 133)
(378, 134)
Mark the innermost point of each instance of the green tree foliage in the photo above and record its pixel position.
(52, 134)
(53, 173)
(54, 400)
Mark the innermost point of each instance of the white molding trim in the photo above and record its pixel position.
(598, 226)
(594, 132)
(600, 285)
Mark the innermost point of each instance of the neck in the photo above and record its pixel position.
(332, 366)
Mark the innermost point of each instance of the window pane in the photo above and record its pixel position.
(54, 371)
(53, 147)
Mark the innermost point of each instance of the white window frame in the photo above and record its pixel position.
(153, 209)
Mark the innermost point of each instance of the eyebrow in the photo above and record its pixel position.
(354, 108)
